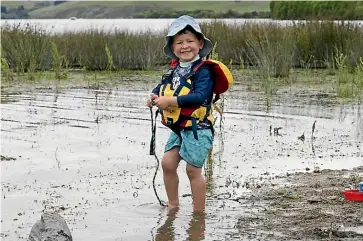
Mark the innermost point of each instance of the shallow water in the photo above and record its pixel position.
(86, 153)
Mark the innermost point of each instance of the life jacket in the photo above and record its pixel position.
(188, 117)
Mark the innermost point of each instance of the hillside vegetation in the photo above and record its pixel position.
(130, 9)
(294, 10)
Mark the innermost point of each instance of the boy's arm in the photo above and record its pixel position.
(203, 90)
(156, 90)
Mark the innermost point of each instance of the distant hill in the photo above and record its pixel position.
(128, 9)
(21, 9)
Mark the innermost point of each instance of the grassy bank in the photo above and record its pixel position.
(275, 50)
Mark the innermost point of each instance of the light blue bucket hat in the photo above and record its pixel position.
(179, 24)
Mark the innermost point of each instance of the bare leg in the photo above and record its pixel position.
(170, 164)
(197, 184)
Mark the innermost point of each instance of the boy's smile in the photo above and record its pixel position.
(186, 46)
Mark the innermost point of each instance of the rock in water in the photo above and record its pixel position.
(51, 227)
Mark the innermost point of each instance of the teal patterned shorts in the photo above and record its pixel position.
(193, 151)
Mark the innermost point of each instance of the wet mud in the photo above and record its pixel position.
(304, 206)
(84, 153)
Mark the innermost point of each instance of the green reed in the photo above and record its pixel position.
(5, 70)
(57, 61)
(25, 49)
(358, 80)
(110, 65)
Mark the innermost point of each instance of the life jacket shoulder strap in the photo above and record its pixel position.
(195, 69)
(168, 73)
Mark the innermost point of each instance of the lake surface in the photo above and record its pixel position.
(135, 25)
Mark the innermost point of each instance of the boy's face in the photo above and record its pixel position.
(186, 46)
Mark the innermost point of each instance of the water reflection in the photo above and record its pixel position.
(55, 101)
(196, 227)
(167, 230)
(195, 231)
(359, 121)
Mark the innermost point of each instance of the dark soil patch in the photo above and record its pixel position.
(308, 206)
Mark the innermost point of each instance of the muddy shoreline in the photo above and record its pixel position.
(304, 206)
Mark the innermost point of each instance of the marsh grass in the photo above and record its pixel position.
(275, 48)
(5, 70)
(25, 49)
(271, 53)
(343, 85)
(208, 172)
(358, 79)
(126, 50)
(57, 61)
(350, 83)
(110, 65)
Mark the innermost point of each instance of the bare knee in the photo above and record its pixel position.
(170, 161)
(193, 172)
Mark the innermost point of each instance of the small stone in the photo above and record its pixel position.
(314, 200)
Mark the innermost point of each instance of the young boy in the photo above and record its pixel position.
(185, 105)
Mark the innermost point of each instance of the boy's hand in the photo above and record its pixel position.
(163, 102)
(150, 102)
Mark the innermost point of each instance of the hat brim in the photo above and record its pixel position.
(207, 47)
